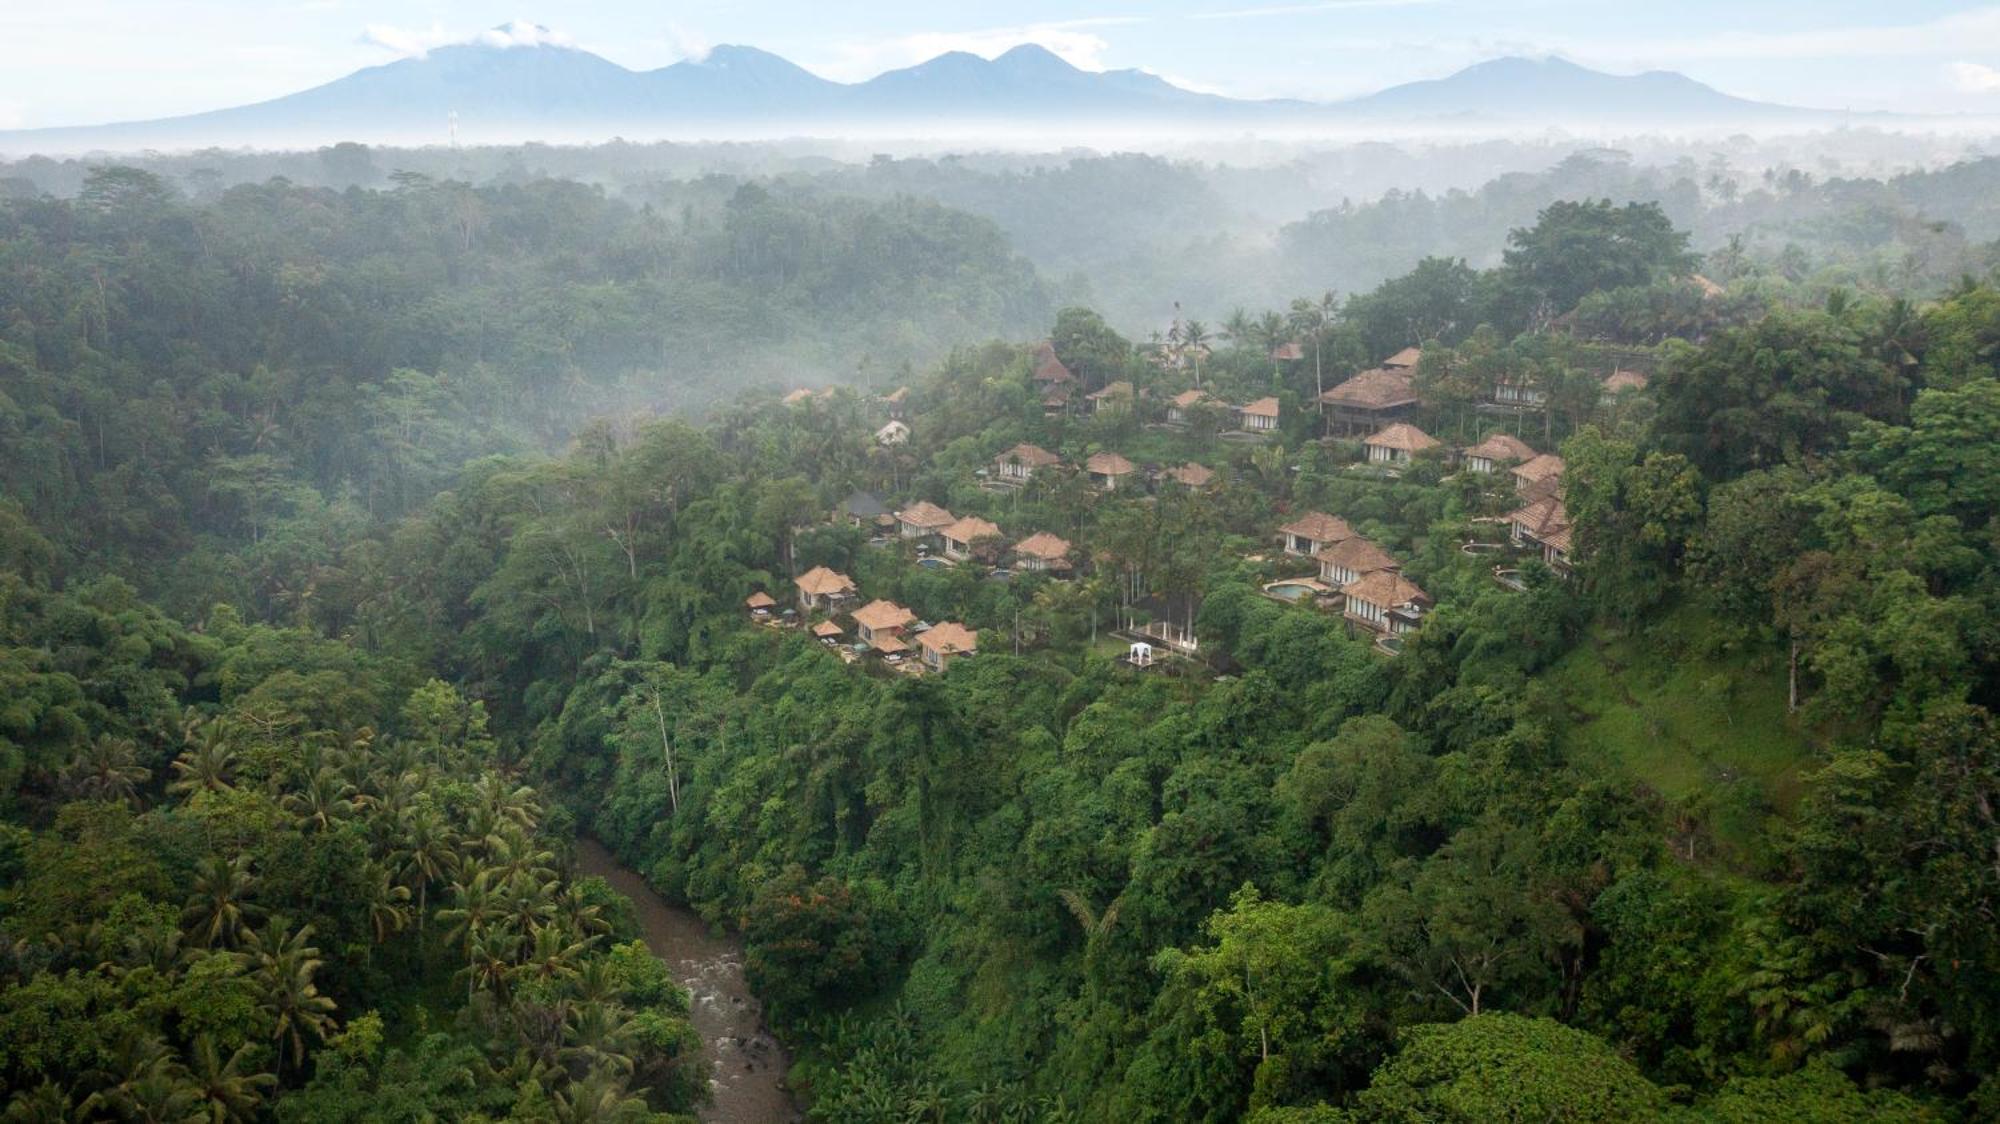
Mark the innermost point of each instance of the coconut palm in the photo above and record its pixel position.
(145, 1083)
(46, 1103)
(388, 905)
(600, 1098)
(220, 905)
(325, 800)
(1312, 320)
(1195, 337)
(208, 765)
(283, 963)
(227, 1093)
(553, 954)
(430, 854)
(489, 961)
(106, 769)
(474, 908)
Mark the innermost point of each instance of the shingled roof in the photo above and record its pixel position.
(1107, 464)
(1034, 456)
(1386, 588)
(1192, 474)
(950, 638)
(1402, 436)
(1044, 546)
(883, 614)
(1319, 527)
(970, 529)
(1376, 389)
(1262, 408)
(1502, 447)
(1359, 555)
(924, 513)
(822, 582)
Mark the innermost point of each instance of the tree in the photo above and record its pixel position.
(1506, 1067)
(283, 965)
(1575, 249)
(221, 903)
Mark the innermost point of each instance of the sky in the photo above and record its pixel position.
(73, 62)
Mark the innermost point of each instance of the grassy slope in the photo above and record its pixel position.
(1707, 731)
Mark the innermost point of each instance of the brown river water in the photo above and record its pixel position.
(749, 1064)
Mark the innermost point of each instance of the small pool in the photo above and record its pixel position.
(1390, 644)
(1483, 547)
(1289, 591)
(1510, 579)
(1000, 575)
(934, 563)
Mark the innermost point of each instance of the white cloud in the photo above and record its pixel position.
(1073, 41)
(1972, 78)
(418, 42)
(687, 43)
(13, 114)
(1960, 33)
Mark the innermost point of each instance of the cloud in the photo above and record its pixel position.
(687, 43)
(1304, 9)
(1960, 33)
(13, 114)
(1972, 78)
(418, 42)
(1074, 41)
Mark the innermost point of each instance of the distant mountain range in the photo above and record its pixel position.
(495, 94)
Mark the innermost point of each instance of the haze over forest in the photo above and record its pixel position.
(1001, 589)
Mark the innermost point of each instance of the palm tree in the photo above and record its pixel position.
(47, 1103)
(1311, 320)
(489, 961)
(228, 1094)
(552, 955)
(429, 855)
(530, 901)
(474, 907)
(597, 1036)
(220, 906)
(283, 964)
(148, 1084)
(1195, 337)
(600, 1098)
(583, 916)
(325, 800)
(106, 769)
(209, 765)
(388, 905)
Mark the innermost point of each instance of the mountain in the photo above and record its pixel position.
(497, 92)
(1552, 89)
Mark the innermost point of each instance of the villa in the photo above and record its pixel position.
(1042, 552)
(1261, 416)
(1313, 532)
(1486, 457)
(1108, 470)
(945, 642)
(959, 537)
(1386, 601)
(1395, 445)
(923, 520)
(1018, 464)
(821, 588)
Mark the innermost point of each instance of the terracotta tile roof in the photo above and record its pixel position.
(887, 643)
(883, 615)
(1286, 352)
(1541, 519)
(898, 396)
(826, 629)
(1376, 389)
(1043, 545)
(1548, 466)
(1408, 357)
(1057, 396)
(759, 600)
(1359, 555)
(1502, 447)
(924, 513)
(797, 396)
(1708, 288)
(1624, 380)
(1403, 436)
(1193, 475)
(1385, 588)
(1263, 408)
(1319, 527)
(1187, 398)
(1119, 389)
(970, 529)
(1107, 464)
(950, 638)
(1034, 456)
(822, 582)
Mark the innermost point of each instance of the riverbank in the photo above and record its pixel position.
(749, 1065)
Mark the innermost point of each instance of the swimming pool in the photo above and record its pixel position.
(1289, 591)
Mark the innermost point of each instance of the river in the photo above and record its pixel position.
(749, 1064)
